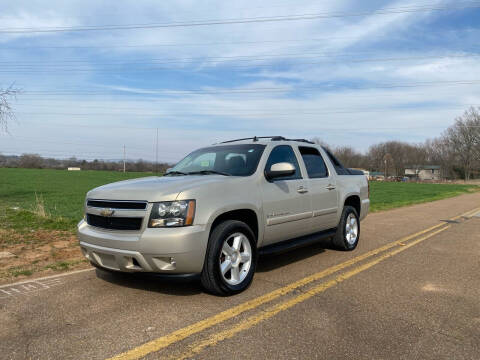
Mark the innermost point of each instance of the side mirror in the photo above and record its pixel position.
(279, 170)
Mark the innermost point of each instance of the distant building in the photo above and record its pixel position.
(366, 172)
(376, 175)
(423, 172)
(74, 169)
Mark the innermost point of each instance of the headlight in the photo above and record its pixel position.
(172, 213)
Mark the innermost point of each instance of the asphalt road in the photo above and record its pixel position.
(410, 290)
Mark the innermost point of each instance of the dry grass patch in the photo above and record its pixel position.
(39, 253)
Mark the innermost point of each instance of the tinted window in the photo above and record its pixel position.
(236, 160)
(284, 153)
(339, 168)
(314, 163)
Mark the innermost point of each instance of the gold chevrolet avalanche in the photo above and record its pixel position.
(220, 207)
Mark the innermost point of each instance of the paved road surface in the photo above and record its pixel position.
(410, 290)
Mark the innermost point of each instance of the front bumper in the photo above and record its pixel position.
(178, 250)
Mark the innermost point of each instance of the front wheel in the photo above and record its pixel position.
(348, 230)
(230, 260)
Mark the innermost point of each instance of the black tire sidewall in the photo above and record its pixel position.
(218, 236)
(347, 211)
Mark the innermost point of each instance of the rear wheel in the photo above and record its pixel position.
(348, 230)
(230, 260)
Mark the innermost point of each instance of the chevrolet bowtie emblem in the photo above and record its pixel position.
(107, 212)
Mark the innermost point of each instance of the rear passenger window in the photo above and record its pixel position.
(339, 168)
(284, 153)
(314, 163)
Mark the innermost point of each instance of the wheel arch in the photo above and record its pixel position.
(354, 201)
(247, 215)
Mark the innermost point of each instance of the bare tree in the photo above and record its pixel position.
(464, 139)
(30, 161)
(349, 157)
(6, 111)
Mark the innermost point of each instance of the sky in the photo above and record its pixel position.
(98, 75)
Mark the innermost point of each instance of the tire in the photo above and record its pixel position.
(239, 275)
(348, 230)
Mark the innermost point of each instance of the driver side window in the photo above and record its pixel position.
(284, 153)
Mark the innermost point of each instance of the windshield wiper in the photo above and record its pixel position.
(208, 172)
(175, 173)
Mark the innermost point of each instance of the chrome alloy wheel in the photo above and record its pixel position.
(235, 258)
(351, 229)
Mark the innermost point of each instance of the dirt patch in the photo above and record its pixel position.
(38, 253)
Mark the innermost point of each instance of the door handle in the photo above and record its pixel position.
(331, 187)
(302, 190)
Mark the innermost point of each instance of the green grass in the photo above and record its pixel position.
(63, 265)
(63, 193)
(25, 220)
(389, 195)
(17, 271)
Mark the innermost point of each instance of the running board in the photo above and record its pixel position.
(295, 243)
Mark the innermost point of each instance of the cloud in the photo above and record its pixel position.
(317, 76)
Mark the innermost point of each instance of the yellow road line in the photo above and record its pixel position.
(272, 311)
(178, 335)
(467, 214)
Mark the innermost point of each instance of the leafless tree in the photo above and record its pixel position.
(439, 152)
(320, 142)
(7, 114)
(31, 161)
(349, 157)
(464, 139)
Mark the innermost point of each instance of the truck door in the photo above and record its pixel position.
(323, 189)
(286, 201)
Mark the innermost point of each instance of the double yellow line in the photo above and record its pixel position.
(181, 334)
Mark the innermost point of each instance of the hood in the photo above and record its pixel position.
(153, 188)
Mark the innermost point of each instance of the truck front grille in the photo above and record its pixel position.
(117, 204)
(115, 223)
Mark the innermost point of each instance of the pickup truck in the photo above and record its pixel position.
(214, 212)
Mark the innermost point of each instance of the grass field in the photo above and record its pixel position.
(40, 208)
(62, 193)
(389, 195)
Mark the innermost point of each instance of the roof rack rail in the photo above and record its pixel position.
(301, 140)
(272, 138)
(255, 138)
(281, 138)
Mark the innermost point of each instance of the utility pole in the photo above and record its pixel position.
(386, 159)
(124, 158)
(156, 154)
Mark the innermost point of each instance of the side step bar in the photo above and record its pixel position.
(295, 243)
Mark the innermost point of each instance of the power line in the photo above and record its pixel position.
(297, 17)
(97, 145)
(351, 57)
(142, 103)
(175, 44)
(179, 44)
(33, 70)
(235, 113)
(285, 89)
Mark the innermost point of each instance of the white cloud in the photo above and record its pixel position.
(355, 113)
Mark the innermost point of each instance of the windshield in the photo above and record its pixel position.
(235, 160)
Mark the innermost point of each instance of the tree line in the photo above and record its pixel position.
(35, 161)
(456, 151)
